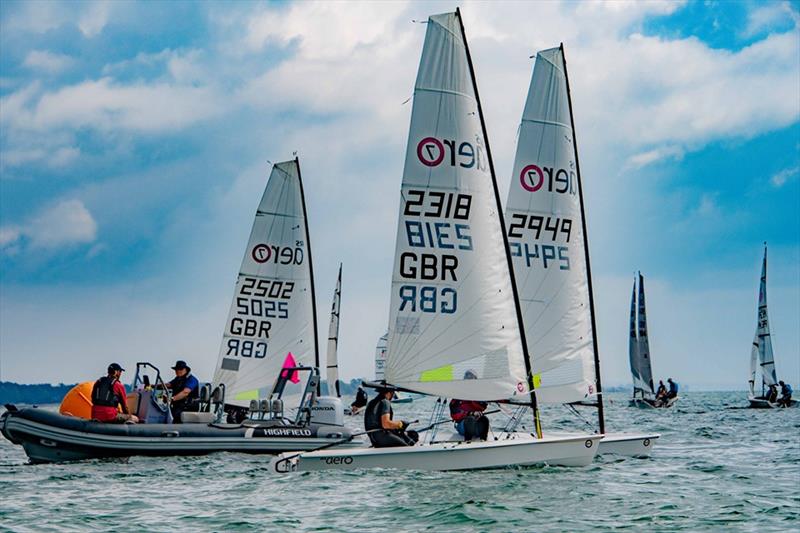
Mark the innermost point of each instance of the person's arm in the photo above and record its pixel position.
(388, 423)
(181, 395)
(122, 396)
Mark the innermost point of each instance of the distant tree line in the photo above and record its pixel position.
(40, 393)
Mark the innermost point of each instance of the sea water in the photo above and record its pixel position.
(717, 466)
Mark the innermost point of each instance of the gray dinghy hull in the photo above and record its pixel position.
(49, 437)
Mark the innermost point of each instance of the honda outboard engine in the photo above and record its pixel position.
(327, 411)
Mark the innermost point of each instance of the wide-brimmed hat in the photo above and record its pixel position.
(180, 365)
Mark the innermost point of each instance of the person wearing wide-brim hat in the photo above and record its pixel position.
(383, 431)
(185, 390)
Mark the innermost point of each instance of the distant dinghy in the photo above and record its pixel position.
(644, 394)
(333, 340)
(761, 355)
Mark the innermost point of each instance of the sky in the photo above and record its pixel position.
(136, 139)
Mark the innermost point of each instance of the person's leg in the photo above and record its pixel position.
(482, 427)
(387, 439)
(460, 427)
(470, 431)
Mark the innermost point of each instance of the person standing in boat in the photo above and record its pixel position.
(468, 415)
(786, 394)
(661, 393)
(772, 393)
(185, 391)
(383, 431)
(359, 402)
(673, 389)
(108, 396)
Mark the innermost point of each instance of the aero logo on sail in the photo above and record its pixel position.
(432, 152)
(533, 177)
(284, 255)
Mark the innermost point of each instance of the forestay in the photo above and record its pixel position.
(333, 339)
(761, 353)
(272, 313)
(547, 242)
(452, 304)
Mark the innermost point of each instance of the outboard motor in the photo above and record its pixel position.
(327, 411)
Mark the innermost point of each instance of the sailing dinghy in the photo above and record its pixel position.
(333, 340)
(454, 310)
(271, 326)
(644, 394)
(547, 236)
(761, 355)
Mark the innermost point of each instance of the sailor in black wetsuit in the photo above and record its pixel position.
(383, 431)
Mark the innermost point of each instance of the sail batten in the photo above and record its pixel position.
(272, 310)
(453, 325)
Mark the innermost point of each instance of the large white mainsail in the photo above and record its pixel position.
(272, 313)
(761, 353)
(333, 339)
(452, 306)
(547, 241)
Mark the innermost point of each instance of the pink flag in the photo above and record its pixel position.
(290, 363)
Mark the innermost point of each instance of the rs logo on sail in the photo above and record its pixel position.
(284, 255)
(532, 178)
(432, 152)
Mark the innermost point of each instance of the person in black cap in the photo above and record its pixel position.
(382, 430)
(185, 391)
(108, 394)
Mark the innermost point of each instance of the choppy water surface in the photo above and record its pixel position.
(714, 468)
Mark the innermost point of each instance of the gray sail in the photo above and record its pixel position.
(633, 347)
(761, 353)
(645, 369)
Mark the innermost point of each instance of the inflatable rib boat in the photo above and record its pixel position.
(47, 436)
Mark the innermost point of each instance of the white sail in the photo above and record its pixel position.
(333, 340)
(762, 344)
(452, 304)
(645, 368)
(380, 357)
(272, 313)
(545, 232)
(633, 347)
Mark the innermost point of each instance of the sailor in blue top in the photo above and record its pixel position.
(673, 389)
(185, 391)
(786, 394)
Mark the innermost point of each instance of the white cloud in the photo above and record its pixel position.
(64, 223)
(642, 159)
(49, 62)
(779, 180)
(94, 19)
(768, 15)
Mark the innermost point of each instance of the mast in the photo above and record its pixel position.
(310, 271)
(600, 413)
(528, 370)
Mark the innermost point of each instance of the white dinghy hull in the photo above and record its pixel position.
(623, 444)
(513, 452)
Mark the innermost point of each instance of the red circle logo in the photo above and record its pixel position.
(520, 386)
(531, 178)
(261, 253)
(430, 151)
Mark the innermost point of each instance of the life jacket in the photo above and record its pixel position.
(179, 383)
(103, 392)
(371, 418)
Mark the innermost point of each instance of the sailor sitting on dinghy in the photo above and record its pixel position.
(185, 390)
(382, 430)
(468, 416)
(786, 394)
(673, 389)
(107, 395)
